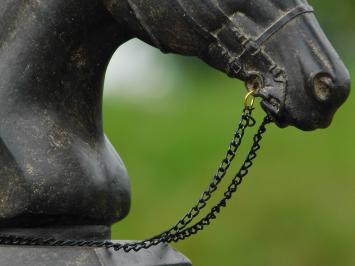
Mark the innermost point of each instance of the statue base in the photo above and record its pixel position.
(161, 255)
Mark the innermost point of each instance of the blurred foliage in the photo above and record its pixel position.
(297, 205)
(337, 20)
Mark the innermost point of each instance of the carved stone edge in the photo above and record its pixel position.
(161, 255)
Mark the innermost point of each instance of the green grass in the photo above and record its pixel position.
(296, 207)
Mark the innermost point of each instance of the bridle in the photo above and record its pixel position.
(246, 50)
(183, 228)
(253, 47)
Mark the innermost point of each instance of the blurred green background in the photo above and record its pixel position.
(297, 205)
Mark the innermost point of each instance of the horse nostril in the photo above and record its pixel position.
(323, 86)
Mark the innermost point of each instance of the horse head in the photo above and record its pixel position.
(277, 47)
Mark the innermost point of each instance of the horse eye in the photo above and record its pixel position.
(254, 83)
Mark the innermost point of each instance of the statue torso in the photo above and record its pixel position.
(53, 56)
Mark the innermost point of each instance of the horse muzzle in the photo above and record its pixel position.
(316, 109)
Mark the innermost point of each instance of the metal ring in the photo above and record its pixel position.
(249, 100)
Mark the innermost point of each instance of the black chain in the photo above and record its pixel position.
(180, 230)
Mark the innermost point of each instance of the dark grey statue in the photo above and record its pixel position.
(58, 169)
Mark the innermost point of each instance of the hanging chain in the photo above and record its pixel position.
(182, 229)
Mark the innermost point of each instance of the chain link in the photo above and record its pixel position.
(182, 229)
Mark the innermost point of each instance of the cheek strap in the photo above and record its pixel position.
(283, 21)
(252, 46)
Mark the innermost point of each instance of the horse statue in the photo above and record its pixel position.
(58, 169)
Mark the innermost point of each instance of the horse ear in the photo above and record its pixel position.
(162, 24)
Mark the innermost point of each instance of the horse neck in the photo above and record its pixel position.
(53, 57)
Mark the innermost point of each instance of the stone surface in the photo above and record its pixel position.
(162, 255)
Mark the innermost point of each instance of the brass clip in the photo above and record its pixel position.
(249, 100)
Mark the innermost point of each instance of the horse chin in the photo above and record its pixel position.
(311, 125)
(273, 112)
(282, 118)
